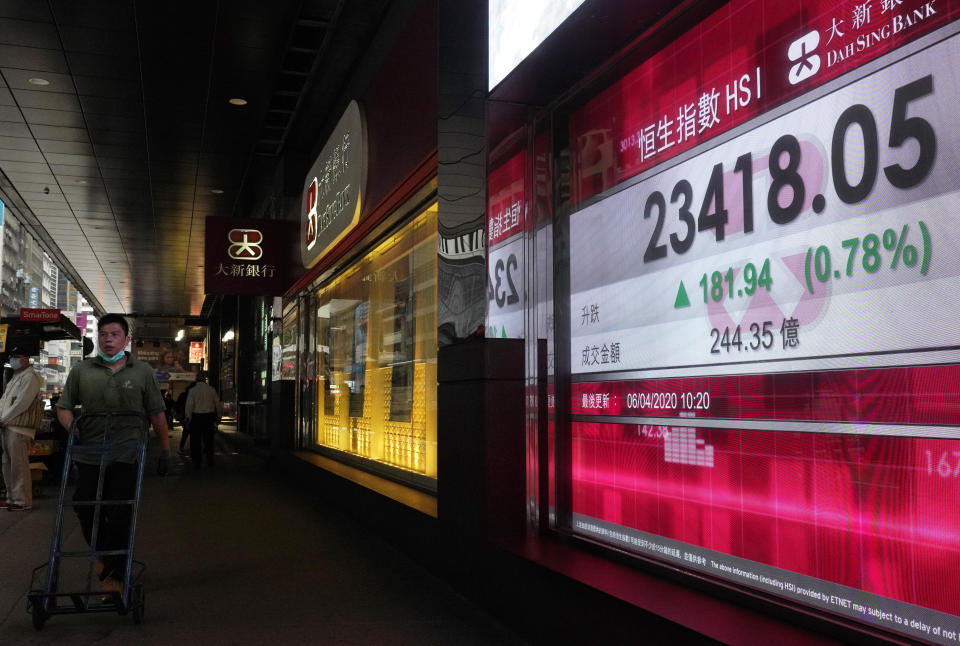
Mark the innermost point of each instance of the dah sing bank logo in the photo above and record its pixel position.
(245, 244)
(806, 63)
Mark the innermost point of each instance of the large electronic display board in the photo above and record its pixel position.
(764, 331)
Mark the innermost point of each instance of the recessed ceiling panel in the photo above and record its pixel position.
(39, 116)
(25, 10)
(11, 113)
(18, 143)
(71, 171)
(87, 161)
(29, 33)
(117, 137)
(124, 152)
(34, 58)
(100, 38)
(112, 88)
(47, 100)
(89, 64)
(69, 147)
(108, 107)
(14, 129)
(16, 176)
(17, 78)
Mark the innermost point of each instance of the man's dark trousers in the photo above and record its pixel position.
(202, 429)
(113, 531)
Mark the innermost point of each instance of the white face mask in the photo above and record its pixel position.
(16, 363)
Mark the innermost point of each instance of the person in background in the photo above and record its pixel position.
(55, 461)
(182, 416)
(168, 364)
(112, 382)
(21, 414)
(181, 361)
(203, 414)
(170, 404)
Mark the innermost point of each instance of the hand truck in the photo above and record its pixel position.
(45, 597)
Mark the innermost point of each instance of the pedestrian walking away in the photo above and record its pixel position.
(182, 417)
(202, 414)
(112, 382)
(21, 415)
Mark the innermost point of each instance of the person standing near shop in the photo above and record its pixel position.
(112, 382)
(21, 414)
(203, 414)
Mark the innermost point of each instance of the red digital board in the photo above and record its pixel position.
(763, 342)
(916, 395)
(744, 60)
(864, 512)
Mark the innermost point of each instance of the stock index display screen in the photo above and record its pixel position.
(764, 324)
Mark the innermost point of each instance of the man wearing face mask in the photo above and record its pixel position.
(21, 414)
(111, 382)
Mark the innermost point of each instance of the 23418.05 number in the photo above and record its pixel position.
(787, 182)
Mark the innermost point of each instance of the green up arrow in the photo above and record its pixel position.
(682, 299)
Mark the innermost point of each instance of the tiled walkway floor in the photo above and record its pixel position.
(236, 557)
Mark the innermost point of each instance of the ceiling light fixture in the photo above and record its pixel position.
(216, 191)
(237, 101)
(228, 336)
(179, 336)
(36, 80)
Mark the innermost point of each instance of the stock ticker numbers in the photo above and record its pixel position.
(871, 254)
(945, 464)
(725, 284)
(787, 194)
(755, 337)
(504, 292)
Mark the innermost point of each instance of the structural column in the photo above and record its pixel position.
(461, 176)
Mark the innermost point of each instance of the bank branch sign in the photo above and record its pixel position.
(334, 187)
(248, 256)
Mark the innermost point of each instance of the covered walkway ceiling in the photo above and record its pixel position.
(118, 137)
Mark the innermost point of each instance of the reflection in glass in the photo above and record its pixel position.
(288, 346)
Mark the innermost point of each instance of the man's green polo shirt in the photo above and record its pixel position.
(92, 385)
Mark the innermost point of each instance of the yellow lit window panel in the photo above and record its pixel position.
(377, 350)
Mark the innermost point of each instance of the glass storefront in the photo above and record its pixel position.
(376, 350)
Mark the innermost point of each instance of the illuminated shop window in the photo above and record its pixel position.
(377, 353)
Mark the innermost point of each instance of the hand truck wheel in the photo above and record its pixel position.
(39, 615)
(137, 601)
